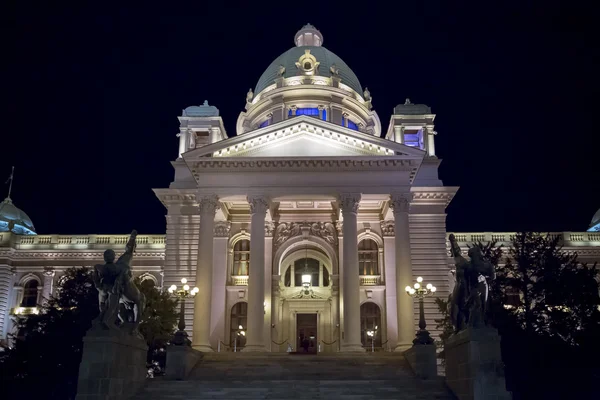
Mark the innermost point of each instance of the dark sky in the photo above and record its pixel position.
(90, 99)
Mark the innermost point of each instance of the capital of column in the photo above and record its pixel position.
(49, 272)
(208, 204)
(349, 202)
(258, 204)
(400, 202)
(430, 130)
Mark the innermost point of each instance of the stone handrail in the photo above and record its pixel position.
(567, 238)
(239, 280)
(80, 242)
(370, 280)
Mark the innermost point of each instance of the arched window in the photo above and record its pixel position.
(370, 319)
(305, 266)
(239, 316)
(30, 294)
(241, 257)
(368, 257)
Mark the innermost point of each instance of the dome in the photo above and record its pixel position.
(308, 35)
(13, 219)
(201, 111)
(409, 108)
(595, 224)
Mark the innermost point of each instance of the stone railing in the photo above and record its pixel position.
(85, 241)
(566, 238)
(239, 280)
(24, 310)
(370, 280)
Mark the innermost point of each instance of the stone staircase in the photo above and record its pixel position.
(288, 376)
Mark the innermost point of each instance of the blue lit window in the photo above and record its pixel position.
(352, 125)
(313, 112)
(264, 123)
(310, 111)
(413, 139)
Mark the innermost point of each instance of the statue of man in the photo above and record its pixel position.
(112, 280)
(249, 96)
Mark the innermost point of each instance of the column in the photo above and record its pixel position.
(256, 279)
(48, 284)
(398, 134)
(430, 140)
(182, 135)
(320, 274)
(349, 204)
(201, 330)
(406, 331)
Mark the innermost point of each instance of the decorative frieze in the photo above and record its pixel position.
(387, 227)
(222, 228)
(287, 230)
(269, 228)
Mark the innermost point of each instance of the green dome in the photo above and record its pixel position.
(326, 59)
(13, 219)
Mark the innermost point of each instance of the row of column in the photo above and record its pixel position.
(349, 204)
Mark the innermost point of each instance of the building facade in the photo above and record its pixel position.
(306, 225)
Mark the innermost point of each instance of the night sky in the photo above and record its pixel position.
(90, 99)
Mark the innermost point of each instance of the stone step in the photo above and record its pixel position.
(306, 389)
(282, 376)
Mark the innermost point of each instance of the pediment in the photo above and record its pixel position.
(303, 137)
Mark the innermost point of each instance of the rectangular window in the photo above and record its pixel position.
(324, 115)
(352, 125)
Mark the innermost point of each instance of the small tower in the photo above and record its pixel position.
(308, 35)
(412, 125)
(199, 126)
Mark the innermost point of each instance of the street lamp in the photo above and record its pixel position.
(420, 292)
(372, 334)
(240, 332)
(181, 337)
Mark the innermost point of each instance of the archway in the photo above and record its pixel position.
(370, 320)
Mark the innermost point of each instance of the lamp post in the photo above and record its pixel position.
(420, 293)
(372, 333)
(181, 337)
(240, 332)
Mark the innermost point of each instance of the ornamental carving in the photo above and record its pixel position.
(208, 204)
(222, 228)
(400, 202)
(269, 228)
(387, 228)
(258, 205)
(349, 202)
(287, 230)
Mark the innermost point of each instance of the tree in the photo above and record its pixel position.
(544, 302)
(45, 359)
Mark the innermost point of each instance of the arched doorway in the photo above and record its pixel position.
(238, 325)
(370, 320)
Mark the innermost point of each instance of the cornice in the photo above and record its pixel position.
(303, 164)
(74, 255)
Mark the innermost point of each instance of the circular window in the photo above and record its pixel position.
(307, 65)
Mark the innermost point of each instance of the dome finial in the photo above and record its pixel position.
(308, 35)
(10, 179)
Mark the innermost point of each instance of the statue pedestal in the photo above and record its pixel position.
(423, 360)
(180, 361)
(474, 368)
(113, 365)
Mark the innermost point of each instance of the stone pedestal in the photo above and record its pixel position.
(423, 360)
(474, 368)
(180, 361)
(113, 365)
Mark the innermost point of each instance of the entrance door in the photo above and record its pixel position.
(306, 333)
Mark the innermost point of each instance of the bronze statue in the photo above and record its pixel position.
(470, 296)
(118, 295)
